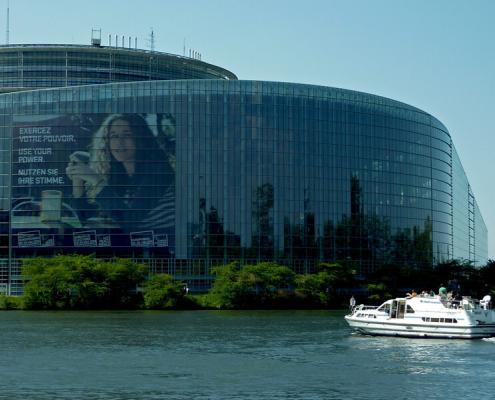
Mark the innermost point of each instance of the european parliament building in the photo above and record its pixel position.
(176, 163)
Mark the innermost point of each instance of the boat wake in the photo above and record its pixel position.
(489, 339)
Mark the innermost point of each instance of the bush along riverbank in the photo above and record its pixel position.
(73, 282)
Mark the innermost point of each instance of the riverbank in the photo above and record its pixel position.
(86, 283)
(198, 302)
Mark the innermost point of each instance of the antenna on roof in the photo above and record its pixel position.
(152, 40)
(196, 55)
(8, 23)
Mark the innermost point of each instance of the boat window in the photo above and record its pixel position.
(409, 309)
(448, 320)
(385, 308)
(434, 320)
(454, 320)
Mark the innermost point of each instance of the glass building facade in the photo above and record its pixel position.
(44, 66)
(187, 174)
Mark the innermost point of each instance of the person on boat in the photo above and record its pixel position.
(456, 301)
(412, 294)
(442, 291)
(352, 303)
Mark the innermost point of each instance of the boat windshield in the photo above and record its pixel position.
(385, 308)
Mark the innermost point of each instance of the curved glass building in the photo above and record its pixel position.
(185, 174)
(42, 66)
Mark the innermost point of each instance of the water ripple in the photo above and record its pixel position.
(228, 355)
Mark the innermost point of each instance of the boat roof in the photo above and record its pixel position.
(422, 303)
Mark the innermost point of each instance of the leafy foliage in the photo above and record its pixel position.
(457, 275)
(271, 285)
(81, 282)
(161, 291)
(10, 302)
(85, 282)
(323, 288)
(378, 292)
(260, 285)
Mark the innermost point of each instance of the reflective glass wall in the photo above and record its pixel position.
(45, 66)
(470, 235)
(189, 174)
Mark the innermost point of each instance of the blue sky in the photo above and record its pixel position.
(436, 55)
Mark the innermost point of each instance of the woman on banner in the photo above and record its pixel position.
(128, 177)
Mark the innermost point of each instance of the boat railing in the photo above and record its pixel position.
(467, 303)
(455, 304)
(362, 307)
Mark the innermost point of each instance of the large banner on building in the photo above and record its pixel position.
(94, 181)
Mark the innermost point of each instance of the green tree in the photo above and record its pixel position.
(81, 282)
(459, 275)
(325, 287)
(341, 274)
(161, 291)
(378, 292)
(487, 278)
(264, 284)
(226, 289)
(267, 281)
(313, 289)
(10, 302)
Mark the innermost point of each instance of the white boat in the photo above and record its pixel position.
(426, 316)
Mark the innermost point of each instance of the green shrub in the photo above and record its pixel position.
(10, 302)
(322, 289)
(161, 291)
(261, 285)
(378, 293)
(81, 282)
(313, 289)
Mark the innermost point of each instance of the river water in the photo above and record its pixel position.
(229, 355)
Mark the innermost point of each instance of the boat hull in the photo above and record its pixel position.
(394, 328)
